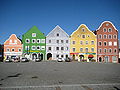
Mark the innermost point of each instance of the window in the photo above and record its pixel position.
(110, 50)
(107, 24)
(66, 41)
(100, 36)
(38, 47)
(7, 50)
(27, 40)
(110, 43)
(92, 49)
(73, 42)
(105, 43)
(19, 49)
(57, 56)
(100, 43)
(38, 40)
(83, 29)
(109, 29)
(83, 36)
(92, 42)
(110, 36)
(88, 35)
(42, 47)
(86, 42)
(115, 36)
(105, 50)
(49, 48)
(105, 36)
(81, 49)
(66, 48)
(26, 47)
(115, 43)
(57, 34)
(42, 40)
(100, 50)
(81, 42)
(15, 41)
(115, 50)
(33, 47)
(104, 30)
(62, 48)
(73, 49)
(86, 49)
(62, 56)
(49, 41)
(57, 48)
(62, 41)
(33, 34)
(57, 41)
(33, 40)
(13, 49)
(10, 41)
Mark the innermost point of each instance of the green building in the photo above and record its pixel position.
(34, 44)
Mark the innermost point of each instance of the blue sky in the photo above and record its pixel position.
(18, 16)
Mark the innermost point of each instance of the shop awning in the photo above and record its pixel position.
(90, 56)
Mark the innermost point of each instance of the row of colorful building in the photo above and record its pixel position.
(101, 45)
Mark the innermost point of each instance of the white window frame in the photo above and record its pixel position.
(104, 37)
(93, 49)
(42, 40)
(33, 47)
(37, 48)
(34, 40)
(115, 35)
(42, 47)
(110, 43)
(106, 43)
(109, 28)
(115, 43)
(14, 50)
(93, 42)
(19, 50)
(73, 42)
(109, 35)
(28, 40)
(104, 30)
(80, 49)
(38, 40)
(109, 50)
(27, 47)
(7, 49)
(33, 34)
(100, 36)
(99, 44)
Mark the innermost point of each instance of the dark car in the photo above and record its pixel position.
(24, 59)
(67, 59)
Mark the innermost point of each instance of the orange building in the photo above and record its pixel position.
(12, 47)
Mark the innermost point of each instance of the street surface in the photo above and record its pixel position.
(52, 75)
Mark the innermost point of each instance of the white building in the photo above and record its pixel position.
(57, 44)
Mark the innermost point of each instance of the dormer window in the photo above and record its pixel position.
(83, 29)
(57, 34)
(33, 34)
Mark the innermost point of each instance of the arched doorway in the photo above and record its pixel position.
(100, 59)
(49, 56)
(34, 56)
(106, 59)
(73, 57)
(40, 56)
(81, 57)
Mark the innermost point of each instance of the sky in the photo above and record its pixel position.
(18, 16)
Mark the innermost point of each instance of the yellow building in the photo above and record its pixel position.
(83, 44)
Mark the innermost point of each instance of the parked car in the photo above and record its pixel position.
(60, 59)
(67, 59)
(8, 60)
(37, 60)
(24, 59)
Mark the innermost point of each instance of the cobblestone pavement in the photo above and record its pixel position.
(49, 75)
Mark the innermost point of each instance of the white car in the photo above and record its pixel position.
(60, 59)
(24, 59)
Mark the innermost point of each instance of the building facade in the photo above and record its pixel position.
(83, 45)
(12, 47)
(34, 46)
(108, 45)
(57, 44)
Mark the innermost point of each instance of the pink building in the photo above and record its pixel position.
(12, 47)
